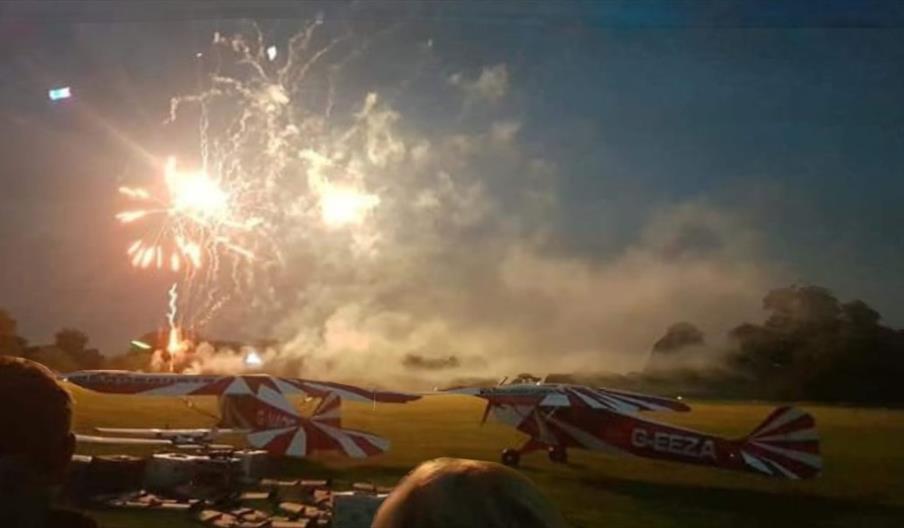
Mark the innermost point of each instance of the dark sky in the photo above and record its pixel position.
(791, 119)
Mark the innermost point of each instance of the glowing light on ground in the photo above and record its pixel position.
(253, 359)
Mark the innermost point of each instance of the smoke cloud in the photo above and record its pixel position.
(454, 269)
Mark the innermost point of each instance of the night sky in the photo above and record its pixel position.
(789, 123)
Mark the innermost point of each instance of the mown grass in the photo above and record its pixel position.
(863, 482)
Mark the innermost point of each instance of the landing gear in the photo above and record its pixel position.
(558, 454)
(511, 457)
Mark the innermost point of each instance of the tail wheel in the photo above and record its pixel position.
(558, 454)
(511, 457)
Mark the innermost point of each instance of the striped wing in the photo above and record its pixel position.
(611, 400)
(121, 382)
(155, 384)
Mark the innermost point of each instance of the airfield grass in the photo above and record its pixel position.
(862, 485)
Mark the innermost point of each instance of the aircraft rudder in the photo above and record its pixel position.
(786, 445)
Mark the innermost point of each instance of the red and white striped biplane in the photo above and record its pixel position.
(560, 416)
(257, 406)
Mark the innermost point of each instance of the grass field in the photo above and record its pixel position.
(862, 486)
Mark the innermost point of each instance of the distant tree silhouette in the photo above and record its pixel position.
(860, 315)
(8, 325)
(813, 347)
(795, 307)
(54, 358)
(809, 347)
(71, 341)
(666, 351)
(74, 343)
(11, 344)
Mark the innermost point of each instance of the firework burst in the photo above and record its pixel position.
(195, 214)
(283, 167)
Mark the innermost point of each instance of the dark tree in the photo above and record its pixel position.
(794, 307)
(73, 343)
(8, 325)
(860, 315)
(10, 343)
(812, 347)
(678, 336)
(666, 353)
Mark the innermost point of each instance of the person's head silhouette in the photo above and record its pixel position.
(36, 444)
(455, 493)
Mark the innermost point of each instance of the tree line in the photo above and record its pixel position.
(811, 346)
(68, 352)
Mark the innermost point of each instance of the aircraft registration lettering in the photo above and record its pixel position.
(269, 419)
(673, 443)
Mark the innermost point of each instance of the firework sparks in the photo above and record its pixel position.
(343, 206)
(195, 214)
(273, 168)
(176, 345)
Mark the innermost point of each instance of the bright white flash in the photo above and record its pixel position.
(271, 53)
(341, 206)
(253, 359)
(195, 194)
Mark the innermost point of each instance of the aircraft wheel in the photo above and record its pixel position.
(511, 457)
(558, 454)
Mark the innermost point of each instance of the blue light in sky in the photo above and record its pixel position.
(59, 93)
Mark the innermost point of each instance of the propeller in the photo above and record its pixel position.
(486, 412)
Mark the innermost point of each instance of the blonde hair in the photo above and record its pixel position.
(453, 493)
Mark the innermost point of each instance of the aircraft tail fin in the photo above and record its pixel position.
(785, 445)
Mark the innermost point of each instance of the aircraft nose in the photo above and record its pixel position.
(78, 378)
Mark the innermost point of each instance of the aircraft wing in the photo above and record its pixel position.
(92, 439)
(614, 400)
(556, 395)
(166, 433)
(123, 382)
(321, 389)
